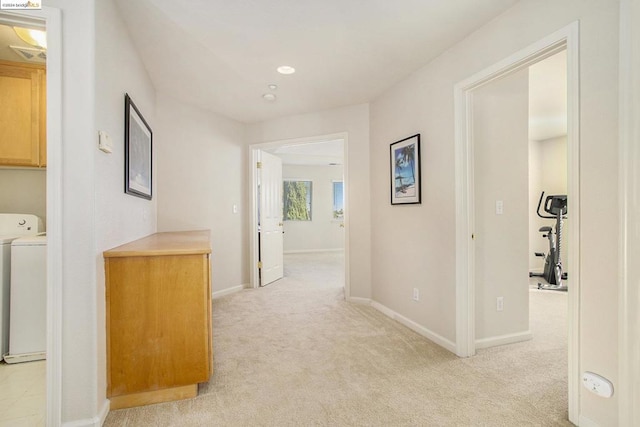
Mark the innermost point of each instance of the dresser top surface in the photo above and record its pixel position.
(166, 243)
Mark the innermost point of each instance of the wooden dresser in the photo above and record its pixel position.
(158, 309)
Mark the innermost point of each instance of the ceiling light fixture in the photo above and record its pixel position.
(285, 69)
(36, 38)
(273, 87)
(270, 97)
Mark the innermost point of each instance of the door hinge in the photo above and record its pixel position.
(259, 165)
(259, 264)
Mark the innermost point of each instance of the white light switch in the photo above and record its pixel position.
(499, 207)
(104, 142)
(235, 209)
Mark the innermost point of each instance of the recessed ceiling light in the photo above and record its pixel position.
(270, 97)
(36, 38)
(273, 87)
(285, 69)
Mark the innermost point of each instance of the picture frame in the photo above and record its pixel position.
(138, 152)
(405, 171)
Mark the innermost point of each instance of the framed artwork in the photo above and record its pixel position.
(296, 197)
(405, 171)
(138, 140)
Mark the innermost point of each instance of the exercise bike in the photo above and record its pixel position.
(555, 207)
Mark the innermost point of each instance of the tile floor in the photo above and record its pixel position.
(23, 394)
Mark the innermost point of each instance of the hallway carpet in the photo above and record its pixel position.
(296, 354)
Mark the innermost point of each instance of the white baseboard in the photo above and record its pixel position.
(310, 251)
(358, 300)
(586, 422)
(96, 421)
(228, 291)
(504, 339)
(430, 335)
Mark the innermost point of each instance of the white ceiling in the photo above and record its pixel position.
(221, 54)
(9, 38)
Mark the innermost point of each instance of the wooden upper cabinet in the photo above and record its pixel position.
(22, 114)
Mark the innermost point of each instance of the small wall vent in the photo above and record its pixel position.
(31, 54)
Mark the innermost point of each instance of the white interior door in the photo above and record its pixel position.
(501, 209)
(270, 216)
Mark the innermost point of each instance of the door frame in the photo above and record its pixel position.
(567, 39)
(629, 158)
(50, 19)
(253, 194)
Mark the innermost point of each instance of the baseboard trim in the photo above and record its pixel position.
(96, 421)
(310, 251)
(358, 300)
(430, 335)
(228, 291)
(504, 339)
(586, 422)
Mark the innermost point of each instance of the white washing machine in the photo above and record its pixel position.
(12, 226)
(28, 313)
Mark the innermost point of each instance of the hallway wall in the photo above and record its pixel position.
(423, 102)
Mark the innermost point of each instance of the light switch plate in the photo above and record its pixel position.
(104, 142)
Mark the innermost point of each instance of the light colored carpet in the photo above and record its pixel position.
(296, 354)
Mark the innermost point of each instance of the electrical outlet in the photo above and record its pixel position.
(500, 304)
(416, 294)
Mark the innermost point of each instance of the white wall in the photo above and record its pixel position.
(323, 232)
(24, 191)
(202, 173)
(119, 217)
(501, 146)
(79, 326)
(536, 242)
(423, 103)
(355, 121)
(83, 350)
(548, 173)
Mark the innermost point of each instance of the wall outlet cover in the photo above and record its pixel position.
(597, 384)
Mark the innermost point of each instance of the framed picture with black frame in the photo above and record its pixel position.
(405, 171)
(138, 152)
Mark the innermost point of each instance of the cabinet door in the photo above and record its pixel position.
(42, 122)
(20, 93)
(158, 323)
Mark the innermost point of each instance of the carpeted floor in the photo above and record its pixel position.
(296, 354)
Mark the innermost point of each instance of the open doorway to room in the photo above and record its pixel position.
(549, 211)
(311, 211)
(492, 225)
(23, 191)
(519, 150)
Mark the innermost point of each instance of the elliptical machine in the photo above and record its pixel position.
(556, 208)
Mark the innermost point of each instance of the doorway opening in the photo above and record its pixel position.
(48, 20)
(24, 181)
(309, 201)
(478, 204)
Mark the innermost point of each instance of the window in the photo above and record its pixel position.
(297, 200)
(338, 200)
